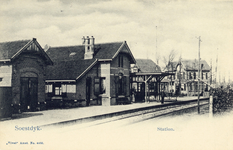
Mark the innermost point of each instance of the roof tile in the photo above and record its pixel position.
(8, 49)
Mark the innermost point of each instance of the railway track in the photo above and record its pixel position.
(153, 112)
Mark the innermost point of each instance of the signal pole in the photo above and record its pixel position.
(198, 99)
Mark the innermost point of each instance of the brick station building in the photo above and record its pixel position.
(22, 69)
(90, 73)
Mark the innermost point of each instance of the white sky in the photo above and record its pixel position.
(179, 23)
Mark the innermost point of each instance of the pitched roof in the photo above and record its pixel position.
(147, 66)
(193, 65)
(102, 51)
(69, 62)
(189, 65)
(68, 70)
(9, 49)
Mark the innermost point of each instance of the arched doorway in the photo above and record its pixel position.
(28, 91)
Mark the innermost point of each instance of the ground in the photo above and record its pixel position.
(190, 131)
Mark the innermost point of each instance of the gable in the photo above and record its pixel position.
(34, 48)
(125, 49)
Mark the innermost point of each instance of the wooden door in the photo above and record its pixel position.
(88, 90)
(28, 93)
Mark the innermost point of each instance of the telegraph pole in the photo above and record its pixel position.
(180, 76)
(156, 50)
(198, 99)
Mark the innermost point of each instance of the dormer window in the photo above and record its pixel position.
(72, 54)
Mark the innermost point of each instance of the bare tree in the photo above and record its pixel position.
(167, 60)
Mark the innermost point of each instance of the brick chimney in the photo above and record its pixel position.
(89, 47)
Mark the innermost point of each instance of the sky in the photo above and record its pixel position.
(151, 28)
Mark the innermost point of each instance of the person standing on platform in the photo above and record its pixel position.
(162, 95)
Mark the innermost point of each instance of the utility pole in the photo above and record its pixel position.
(198, 99)
(216, 67)
(156, 50)
(180, 76)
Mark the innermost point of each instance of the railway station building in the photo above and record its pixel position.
(90, 73)
(22, 75)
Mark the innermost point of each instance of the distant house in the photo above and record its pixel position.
(146, 78)
(92, 73)
(185, 80)
(22, 68)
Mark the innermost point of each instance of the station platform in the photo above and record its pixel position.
(56, 116)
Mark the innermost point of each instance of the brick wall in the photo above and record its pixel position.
(27, 65)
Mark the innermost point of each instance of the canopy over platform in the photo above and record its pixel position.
(148, 83)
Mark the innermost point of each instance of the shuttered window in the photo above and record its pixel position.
(99, 85)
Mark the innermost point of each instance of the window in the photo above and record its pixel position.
(58, 90)
(102, 86)
(202, 75)
(194, 74)
(190, 75)
(120, 81)
(120, 61)
(49, 88)
(64, 88)
(99, 85)
(71, 88)
(171, 83)
(195, 86)
(184, 87)
(206, 88)
(183, 75)
(206, 75)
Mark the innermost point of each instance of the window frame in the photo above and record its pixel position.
(98, 85)
(120, 61)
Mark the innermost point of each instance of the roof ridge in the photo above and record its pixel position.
(75, 60)
(143, 59)
(15, 41)
(84, 45)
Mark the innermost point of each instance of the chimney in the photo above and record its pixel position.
(89, 47)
